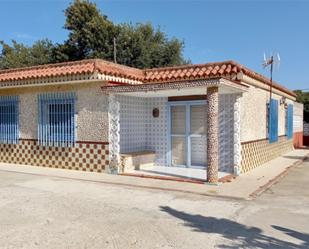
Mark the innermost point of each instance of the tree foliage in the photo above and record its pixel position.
(142, 46)
(303, 97)
(91, 35)
(19, 55)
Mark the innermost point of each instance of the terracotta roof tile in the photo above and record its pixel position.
(187, 72)
(71, 68)
(155, 75)
(204, 71)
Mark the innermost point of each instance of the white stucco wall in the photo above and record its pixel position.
(254, 114)
(298, 113)
(92, 115)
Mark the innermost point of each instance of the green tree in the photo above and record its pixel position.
(20, 55)
(142, 46)
(91, 35)
(303, 97)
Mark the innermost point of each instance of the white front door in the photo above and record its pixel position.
(187, 138)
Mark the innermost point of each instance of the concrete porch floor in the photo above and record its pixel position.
(174, 172)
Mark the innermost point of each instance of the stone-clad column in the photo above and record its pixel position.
(237, 144)
(212, 134)
(114, 134)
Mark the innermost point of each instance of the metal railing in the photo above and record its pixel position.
(57, 124)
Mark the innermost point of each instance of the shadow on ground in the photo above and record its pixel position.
(240, 236)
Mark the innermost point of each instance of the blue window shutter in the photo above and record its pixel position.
(273, 121)
(290, 121)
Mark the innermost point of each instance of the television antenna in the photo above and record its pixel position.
(273, 60)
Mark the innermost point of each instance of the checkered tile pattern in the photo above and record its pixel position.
(255, 153)
(84, 156)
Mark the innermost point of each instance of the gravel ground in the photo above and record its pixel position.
(49, 212)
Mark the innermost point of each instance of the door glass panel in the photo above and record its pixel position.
(198, 119)
(198, 151)
(188, 141)
(178, 119)
(178, 151)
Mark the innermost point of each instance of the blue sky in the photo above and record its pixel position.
(212, 30)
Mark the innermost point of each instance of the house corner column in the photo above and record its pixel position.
(237, 144)
(114, 135)
(212, 134)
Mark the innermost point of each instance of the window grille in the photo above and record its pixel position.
(9, 127)
(57, 124)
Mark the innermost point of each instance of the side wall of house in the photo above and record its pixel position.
(298, 117)
(90, 153)
(256, 148)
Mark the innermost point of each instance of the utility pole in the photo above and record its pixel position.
(115, 51)
(271, 76)
(270, 62)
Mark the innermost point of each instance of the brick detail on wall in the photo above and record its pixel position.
(298, 139)
(85, 156)
(255, 153)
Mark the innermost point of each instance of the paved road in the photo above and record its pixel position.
(47, 212)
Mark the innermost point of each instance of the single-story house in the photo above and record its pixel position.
(94, 115)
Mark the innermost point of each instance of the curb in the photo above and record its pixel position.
(276, 179)
(165, 178)
(224, 179)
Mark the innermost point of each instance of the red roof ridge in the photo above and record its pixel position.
(263, 78)
(188, 66)
(95, 62)
(81, 66)
(49, 65)
(150, 75)
(213, 68)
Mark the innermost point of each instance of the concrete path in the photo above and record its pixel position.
(47, 212)
(245, 186)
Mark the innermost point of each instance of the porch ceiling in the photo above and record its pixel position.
(177, 88)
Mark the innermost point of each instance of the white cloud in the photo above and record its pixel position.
(23, 36)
